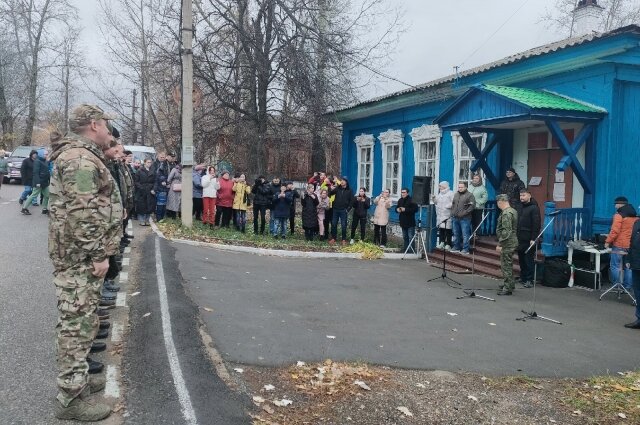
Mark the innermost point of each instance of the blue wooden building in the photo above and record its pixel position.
(565, 115)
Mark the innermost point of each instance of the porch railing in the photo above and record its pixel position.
(488, 228)
(569, 224)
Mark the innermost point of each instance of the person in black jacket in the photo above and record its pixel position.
(528, 230)
(341, 206)
(406, 209)
(261, 201)
(26, 175)
(292, 211)
(633, 263)
(361, 204)
(40, 183)
(511, 186)
(309, 203)
(274, 188)
(144, 181)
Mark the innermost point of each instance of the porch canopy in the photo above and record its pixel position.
(487, 108)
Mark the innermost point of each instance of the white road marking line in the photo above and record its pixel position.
(121, 299)
(174, 363)
(124, 277)
(116, 332)
(125, 261)
(127, 250)
(112, 389)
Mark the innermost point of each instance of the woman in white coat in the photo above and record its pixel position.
(443, 202)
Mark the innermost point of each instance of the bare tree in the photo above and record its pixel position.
(617, 13)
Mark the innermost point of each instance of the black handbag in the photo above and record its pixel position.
(556, 273)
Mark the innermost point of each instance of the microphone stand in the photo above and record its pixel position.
(472, 292)
(444, 276)
(533, 314)
(421, 248)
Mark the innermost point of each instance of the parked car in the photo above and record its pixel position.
(15, 162)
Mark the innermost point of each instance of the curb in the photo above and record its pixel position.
(279, 252)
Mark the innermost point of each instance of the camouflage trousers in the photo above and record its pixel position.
(506, 265)
(78, 294)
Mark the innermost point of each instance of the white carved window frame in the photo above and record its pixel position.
(365, 141)
(392, 139)
(459, 146)
(427, 134)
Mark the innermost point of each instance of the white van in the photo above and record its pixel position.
(141, 152)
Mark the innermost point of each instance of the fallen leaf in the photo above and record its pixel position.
(362, 385)
(404, 411)
(269, 387)
(622, 415)
(282, 403)
(239, 370)
(597, 387)
(134, 294)
(452, 314)
(331, 336)
(258, 399)
(620, 388)
(538, 387)
(207, 309)
(268, 409)
(473, 398)
(577, 412)
(553, 421)
(146, 315)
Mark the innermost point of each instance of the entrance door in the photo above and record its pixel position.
(543, 158)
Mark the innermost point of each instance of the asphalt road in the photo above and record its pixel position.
(274, 311)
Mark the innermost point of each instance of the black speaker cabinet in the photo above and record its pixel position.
(421, 190)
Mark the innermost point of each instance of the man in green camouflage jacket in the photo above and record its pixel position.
(506, 230)
(84, 230)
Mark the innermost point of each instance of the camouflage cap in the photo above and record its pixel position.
(502, 197)
(83, 114)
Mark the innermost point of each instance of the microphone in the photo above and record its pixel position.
(553, 213)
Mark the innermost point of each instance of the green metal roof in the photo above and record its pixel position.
(539, 99)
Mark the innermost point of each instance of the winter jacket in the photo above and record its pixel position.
(196, 179)
(343, 198)
(528, 223)
(210, 186)
(144, 199)
(463, 204)
(512, 189)
(360, 206)
(443, 202)
(161, 177)
(407, 217)
(261, 193)
(480, 194)
(309, 210)
(225, 193)
(41, 174)
(241, 192)
(26, 170)
(4, 166)
(294, 195)
(381, 213)
(506, 229)
(281, 205)
(623, 221)
(274, 189)
(174, 200)
(633, 255)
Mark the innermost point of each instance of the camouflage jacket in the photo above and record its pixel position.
(127, 179)
(85, 206)
(507, 228)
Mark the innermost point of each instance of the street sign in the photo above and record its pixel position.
(187, 155)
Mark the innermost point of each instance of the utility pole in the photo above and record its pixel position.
(187, 112)
(134, 131)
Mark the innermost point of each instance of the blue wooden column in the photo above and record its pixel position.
(547, 246)
(570, 152)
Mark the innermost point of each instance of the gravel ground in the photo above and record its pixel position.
(407, 397)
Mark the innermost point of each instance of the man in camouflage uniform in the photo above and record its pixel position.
(84, 230)
(507, 230)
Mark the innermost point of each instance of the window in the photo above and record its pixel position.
(391, 141)
(464, 157)
(364, 143)
(426, 151)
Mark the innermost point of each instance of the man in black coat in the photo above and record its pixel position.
(39, 183)
(261, 201)
(26, 175)
(633, 263)
(274, 189)
(341, 206)
(528, 230)
(406, 210)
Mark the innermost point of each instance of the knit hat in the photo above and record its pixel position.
(513, 170)
(621, 200)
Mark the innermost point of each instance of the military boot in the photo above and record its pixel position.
(81, 409)
(97, 383)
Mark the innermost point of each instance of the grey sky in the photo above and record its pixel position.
(439, 35)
